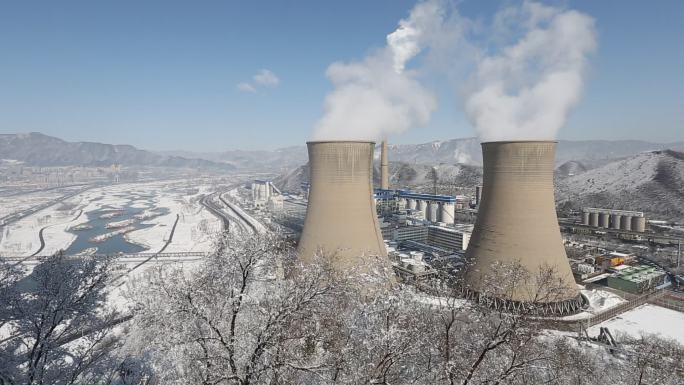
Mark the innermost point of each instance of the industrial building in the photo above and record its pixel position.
(448, 238)
(340, 218)
(638, 279)
(614, 219)
(517, 224)
(265, 194)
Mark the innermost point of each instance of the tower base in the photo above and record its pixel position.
(549, 309)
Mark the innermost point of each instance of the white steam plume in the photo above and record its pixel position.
(377, 96)
(527, 90)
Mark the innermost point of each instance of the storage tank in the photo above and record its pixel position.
(626, 223)
(433, 212)
(517, 223)
(604, 219)
(615, 221)
(411, 203)
(447, 213)
(421, 206)
(340, 217)
(585, 218)
(639, 224)
(593, 219)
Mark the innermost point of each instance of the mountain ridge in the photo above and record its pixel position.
(41, 150)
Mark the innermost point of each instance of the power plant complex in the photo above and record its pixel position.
(508, 221)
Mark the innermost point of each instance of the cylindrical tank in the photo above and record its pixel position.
(411, 204)
(585, 218)
(421, 206)
(626, 223)
(401, 203)
(593, 219)
(517, 224)
(615, 221)
(604, 219)
(433, 212)
(639, 224)
(340, 217)
(447, 213)
(384, 167)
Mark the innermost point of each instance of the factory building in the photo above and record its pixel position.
(638, 279)
(265, 194)
(614, 219)
(517, 224)
(453, 239)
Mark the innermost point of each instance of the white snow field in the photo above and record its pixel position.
(196, 229)
(22, 238)
(646, 319)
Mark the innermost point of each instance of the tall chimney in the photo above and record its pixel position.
(340, 218)
(517, 223)
(384, 167)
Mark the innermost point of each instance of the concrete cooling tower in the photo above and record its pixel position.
(340, 218)
(517, 223)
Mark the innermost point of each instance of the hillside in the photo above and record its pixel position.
(36, 149)
(418, 177)
(652, 182)
(591, 153)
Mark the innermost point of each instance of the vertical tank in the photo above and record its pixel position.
(593, 219)
(340, 217)
(433, 211)
(517, 223)
(411, 203)
(604, 219)
(615, 221)
(384, 167)
(585, 218)
(421, 206)
(639, 224)
(626, 223)
(447, 213)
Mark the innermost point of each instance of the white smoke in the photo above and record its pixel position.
(378, 96)
(519, 78)
(527, 89)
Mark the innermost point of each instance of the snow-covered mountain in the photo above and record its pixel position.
(650, 181)
(467, 151)
(36, 149)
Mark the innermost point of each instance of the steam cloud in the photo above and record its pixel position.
(528, 89)
(522, 76)
(378, 96)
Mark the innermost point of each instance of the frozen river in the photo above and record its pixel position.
(127, 218)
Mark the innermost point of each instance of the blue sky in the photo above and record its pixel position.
(163, 75)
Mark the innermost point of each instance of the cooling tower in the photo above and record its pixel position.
(517, 223)
(340, 218)
(384, 167)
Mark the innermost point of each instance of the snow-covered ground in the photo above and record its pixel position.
(650, 319)
(195, 231)
(22, 237)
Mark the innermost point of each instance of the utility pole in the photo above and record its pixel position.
(679, 252)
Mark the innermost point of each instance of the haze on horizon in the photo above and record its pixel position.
(252, 75)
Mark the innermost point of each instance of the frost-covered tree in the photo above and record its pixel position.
(54, 325)
(252, 314)
(233, 320)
